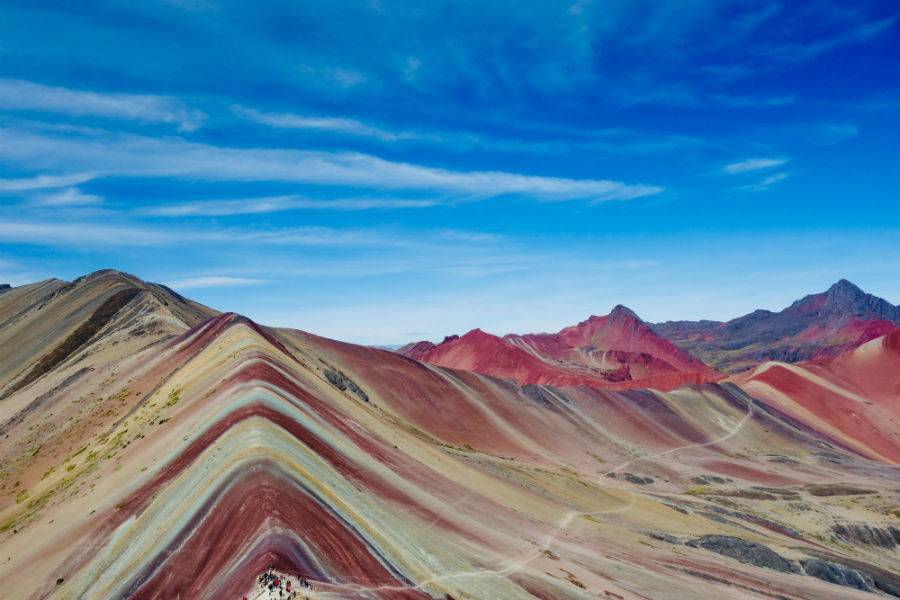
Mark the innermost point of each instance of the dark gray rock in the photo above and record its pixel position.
(344, 383)
(4, 287)
(745, 551)
(862, 533)
(683, 509)
(884, 580)
(637, 479)
(837, 490)
(745, 494)
(664, 537)
(838, 574)
(778, 458)
(709, 479)
(782, 492)
(631, 478)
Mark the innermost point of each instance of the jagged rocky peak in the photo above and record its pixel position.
(620, 311)
(846, 298)
(844, 294)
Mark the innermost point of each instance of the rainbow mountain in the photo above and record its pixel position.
(152, 447)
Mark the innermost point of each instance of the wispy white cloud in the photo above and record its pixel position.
(552, 141)
(754, 164)
(130, 155)
(767, 182)
(196, 283)
(835, 133)
(19, 95)
(40, 182)
(81, 234)
(330, 124)
(248, 206)
(67, 197)
(97, 234)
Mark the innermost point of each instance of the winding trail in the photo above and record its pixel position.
(564, 523)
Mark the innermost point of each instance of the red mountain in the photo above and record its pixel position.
(816, 326)
(850, 399)
(617, 350)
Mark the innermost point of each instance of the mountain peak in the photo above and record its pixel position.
(620, 311)
(844, 286)
(110, 275)
(846, 298)
(844, 283)
(473, 334)
(818, 325)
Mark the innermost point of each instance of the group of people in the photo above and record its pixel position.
(273, 582)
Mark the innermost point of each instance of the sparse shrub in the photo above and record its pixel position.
(174, 397)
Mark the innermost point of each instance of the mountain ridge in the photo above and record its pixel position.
(47, 322)
(618, 349)
(817, 325)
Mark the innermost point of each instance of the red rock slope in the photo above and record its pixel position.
(618, 350)
(853, 399)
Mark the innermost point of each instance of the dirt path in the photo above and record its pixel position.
(564, 523)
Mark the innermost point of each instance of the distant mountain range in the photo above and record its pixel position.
(620, 350)
(816, 326)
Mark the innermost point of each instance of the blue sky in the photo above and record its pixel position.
(386, 171)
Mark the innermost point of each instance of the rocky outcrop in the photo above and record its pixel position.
(753, 493)
(837, 490)
(745, 551)
(664, 537)
(344, 383)
(838, 574)
(709, 480)
(882, 579)
(632, 478)
(862, 533)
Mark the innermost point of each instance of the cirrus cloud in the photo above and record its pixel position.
(214, 281)
(40, 182)
(272, 204)
(754, 164)
(68, 197)
(19, 95)
(131, 155)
